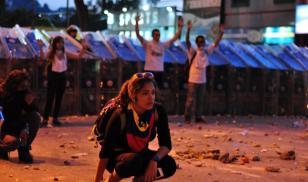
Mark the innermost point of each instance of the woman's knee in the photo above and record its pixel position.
(114, 177)
(9, 139)
(132, 166)
(168, 166)
(9, 143)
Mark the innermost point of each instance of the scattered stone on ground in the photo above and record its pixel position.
(256, 158)
(196, 149)
(67, 163)
(272, 169)
(244, 159)
(288, 155)
(224, 158)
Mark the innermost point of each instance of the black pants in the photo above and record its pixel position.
(137, 163)
(158, 76)
(33, 120)
(55, 89)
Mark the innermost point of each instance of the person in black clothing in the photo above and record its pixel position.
(125, 151)
(21, 119)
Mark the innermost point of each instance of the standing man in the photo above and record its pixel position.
(155, 49)
(197, 74)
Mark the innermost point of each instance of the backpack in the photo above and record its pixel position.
(101, 122)
(187, 66)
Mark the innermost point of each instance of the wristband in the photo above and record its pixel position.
(155, 158)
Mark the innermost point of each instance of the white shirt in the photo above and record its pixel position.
(59, 63)
(197, 72)
(154, 60)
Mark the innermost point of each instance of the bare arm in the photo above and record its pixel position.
(188, 43)
(164, 141)
(151, 169)
(102, 164)
(140, 38)
(178, 33)
(162, 152)
(220, 36)
(42, 54)
(73, 55)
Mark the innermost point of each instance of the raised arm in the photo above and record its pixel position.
(188, 43)
(178, 33)
(140, 38)
(73, 55)
(42, 54)
(221, 28)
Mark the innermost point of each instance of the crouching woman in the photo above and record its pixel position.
(125, 151)
(21, 119)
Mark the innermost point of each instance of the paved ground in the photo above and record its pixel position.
(64, 154)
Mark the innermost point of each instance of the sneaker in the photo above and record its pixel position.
(24, 155)
(200, 120)
(4, 155)
(44, 123)
(56, 122)
(187, 122)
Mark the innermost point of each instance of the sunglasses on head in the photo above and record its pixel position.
(144, 75)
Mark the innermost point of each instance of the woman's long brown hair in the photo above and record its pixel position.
(130, 88)
(54, 46)
(12, 81)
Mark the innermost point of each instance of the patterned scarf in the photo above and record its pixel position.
(139, 128)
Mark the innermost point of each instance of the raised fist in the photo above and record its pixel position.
(189, 24)
(180, 21)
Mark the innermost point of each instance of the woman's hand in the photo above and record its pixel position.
(84, 44)
(222, 28)
(189, 24)
(151, 170)
(100, 169)
(137, 18)
(180, 22)
(40, 43)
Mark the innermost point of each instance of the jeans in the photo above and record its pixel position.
(194, 101)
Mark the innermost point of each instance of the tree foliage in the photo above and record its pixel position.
(87, 18)
(82, 13)
(118, 5)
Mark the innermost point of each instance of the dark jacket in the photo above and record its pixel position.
(115, 139)
(14, 106)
